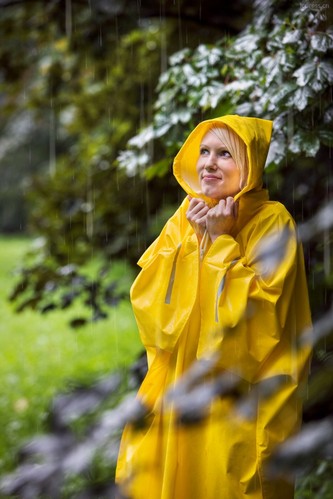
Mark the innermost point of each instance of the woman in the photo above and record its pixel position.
(204, 290)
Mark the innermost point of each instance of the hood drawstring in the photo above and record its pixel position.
(204, 243)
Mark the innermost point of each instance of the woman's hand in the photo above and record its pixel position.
(221, 218)
(196, 215)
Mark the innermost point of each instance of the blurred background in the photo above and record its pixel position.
(96, 98)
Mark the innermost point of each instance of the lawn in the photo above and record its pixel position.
(41, 355)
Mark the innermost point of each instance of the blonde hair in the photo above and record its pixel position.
(237, 149)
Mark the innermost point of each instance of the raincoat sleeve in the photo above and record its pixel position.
(259, 307)
(160, 305)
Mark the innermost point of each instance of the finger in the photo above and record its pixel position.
(204, 210)
(199, 214)
(196, 205)
(201, 221)
(215, 212)
(197, 209)
(194, 201)
(220, 208)
(230, 202)
(232, 206)
(229, 205)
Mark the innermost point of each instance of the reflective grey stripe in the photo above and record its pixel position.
(221, 288)
(172, 277)
(219, 292)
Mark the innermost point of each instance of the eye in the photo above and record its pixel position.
(203, 151)
(224, 153)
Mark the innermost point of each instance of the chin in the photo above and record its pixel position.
(210, 193)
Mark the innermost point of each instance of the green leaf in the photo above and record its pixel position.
(276, 152)
(326, 137)
(211, 95)
(305, 141)
(292, 37)
(158, 169)
(244, 45)
(284, 91)
(301, 97)
(325, 71)
(321, 42)
(305, 73)
(328, 115)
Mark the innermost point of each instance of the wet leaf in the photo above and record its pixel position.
(29, 303)
(48, 307)
(292, 37)
(326, 137)
(20, 288)
(300, 99)
(305, 73)
(321, 42)
(67, 299)
(244, 44)
(325, 71)
(307, 142)
(78, 322)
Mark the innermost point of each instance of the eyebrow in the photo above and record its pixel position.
(220, 147)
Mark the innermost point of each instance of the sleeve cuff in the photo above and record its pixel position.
(224, 249)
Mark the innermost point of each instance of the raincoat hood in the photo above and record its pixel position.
(255, 133)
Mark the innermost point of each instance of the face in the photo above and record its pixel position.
(218, 173)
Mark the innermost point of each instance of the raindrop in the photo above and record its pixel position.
(327, 253)
(100, 36)
(293, 194)
(290, 126)
(180, 28)
(52, 142)
(90, 212)
(142, 104)
(163, 42)
(68, 18)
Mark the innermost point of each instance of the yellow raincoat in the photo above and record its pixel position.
(191, 302)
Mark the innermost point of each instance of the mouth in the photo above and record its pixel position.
(208, 178)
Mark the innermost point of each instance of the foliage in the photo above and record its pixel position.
(94, 197)
(318, 483)
(103, 196)
(280, 68)
(90, 89)
(40, 355)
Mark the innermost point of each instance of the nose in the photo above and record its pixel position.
(211, 161)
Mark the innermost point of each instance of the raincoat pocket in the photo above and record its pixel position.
(162, 301)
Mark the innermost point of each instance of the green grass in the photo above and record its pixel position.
(40, 355)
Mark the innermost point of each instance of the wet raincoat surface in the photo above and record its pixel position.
(191, 302)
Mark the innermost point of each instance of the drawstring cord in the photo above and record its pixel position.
(204, 244)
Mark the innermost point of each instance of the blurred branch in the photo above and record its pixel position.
(47, 460)
(320, 222)
(321, 329)
(299, 453)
